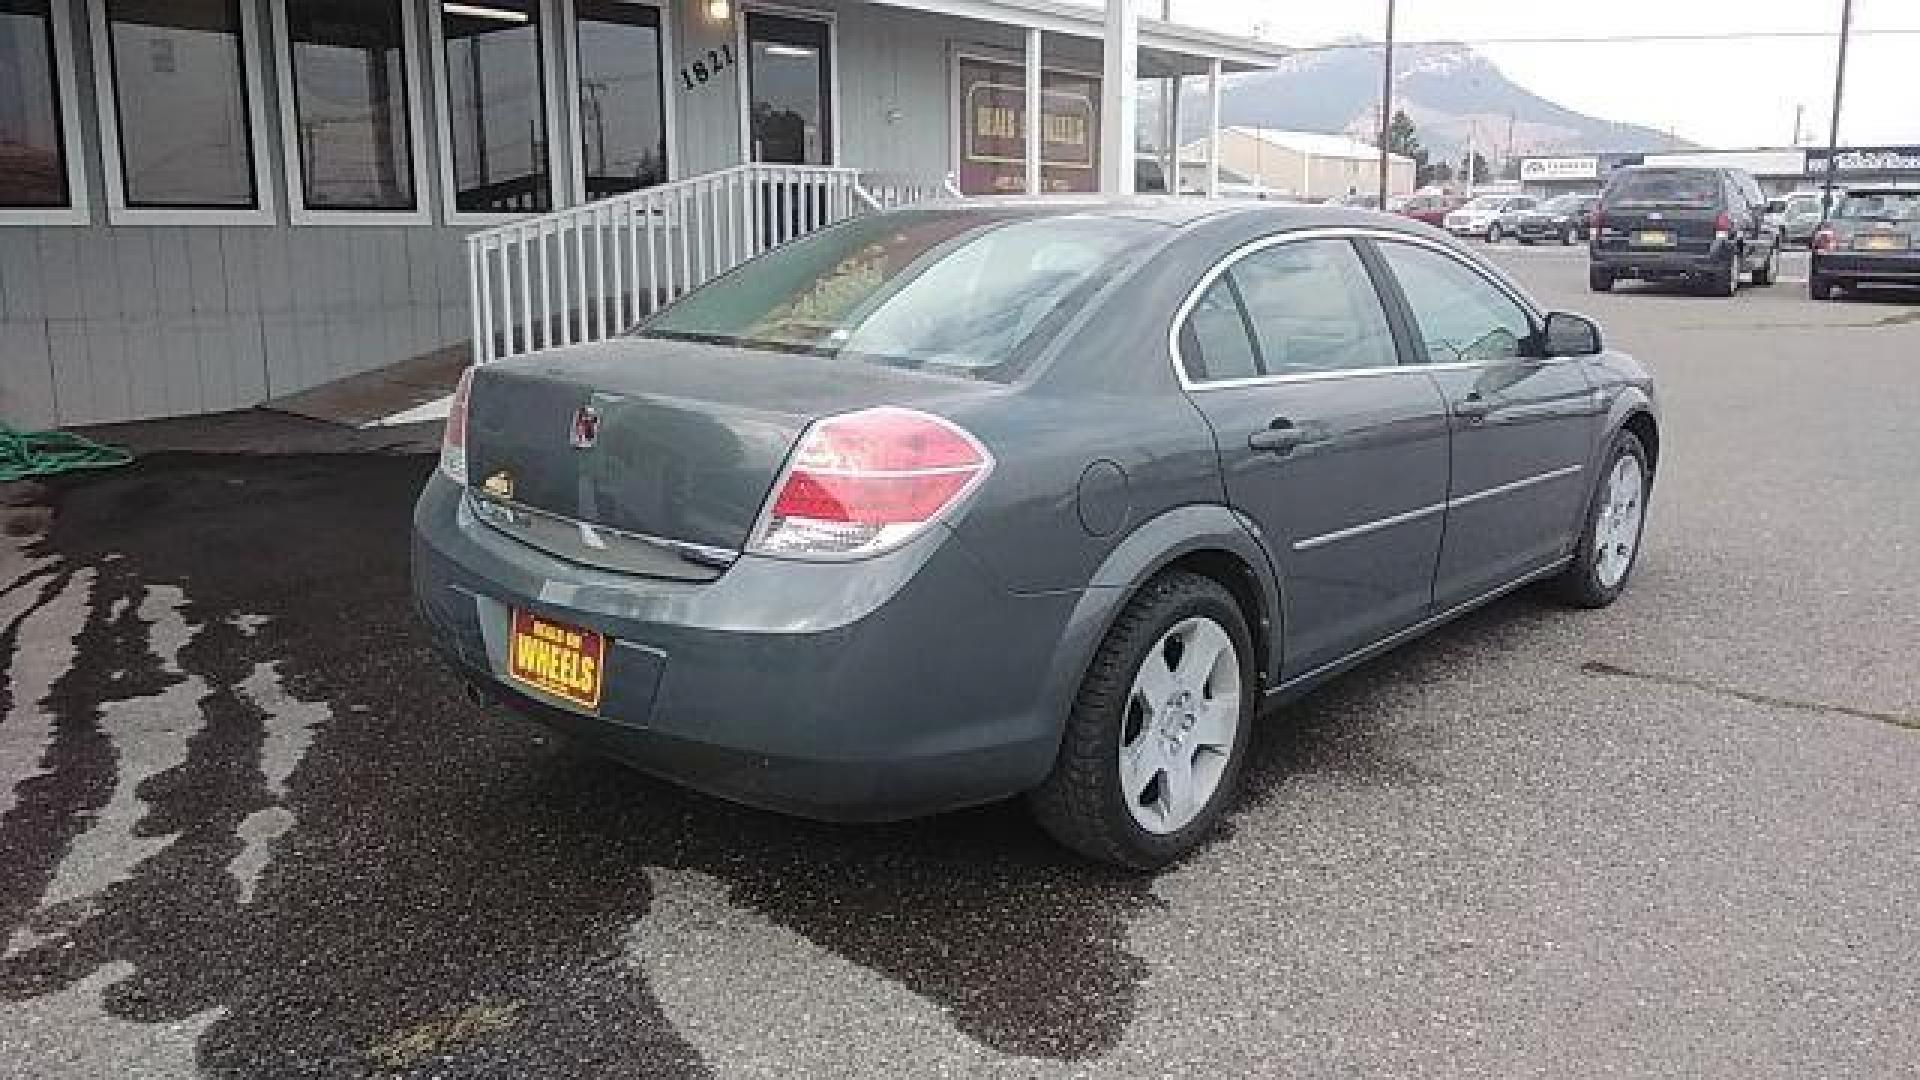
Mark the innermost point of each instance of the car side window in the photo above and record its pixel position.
(1313, 307)
(1214, 342)
(1462, 317)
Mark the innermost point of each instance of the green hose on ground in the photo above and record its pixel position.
(27, 454)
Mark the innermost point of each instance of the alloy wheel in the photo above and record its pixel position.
(1182, 721)
(1617, 529)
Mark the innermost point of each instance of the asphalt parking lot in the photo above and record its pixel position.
(249, 828)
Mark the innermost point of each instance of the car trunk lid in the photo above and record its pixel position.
(641, 444)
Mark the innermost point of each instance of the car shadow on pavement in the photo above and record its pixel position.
(453, 888)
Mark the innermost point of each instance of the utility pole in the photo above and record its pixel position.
(1799, 113)
(1833, 131)
(1386, 106)
(1473, 132)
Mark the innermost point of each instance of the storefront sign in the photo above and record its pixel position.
(993, 129)
(1560, 168)
(1866, 159)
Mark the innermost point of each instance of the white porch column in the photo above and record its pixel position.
(1034, 115)
(1119, 96)
(1170, 88)
(1213, 128)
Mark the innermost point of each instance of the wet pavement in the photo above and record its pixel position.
(249, 827)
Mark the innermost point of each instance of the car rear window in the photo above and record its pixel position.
(1900, 206)
(958, 292)
(1665, 187)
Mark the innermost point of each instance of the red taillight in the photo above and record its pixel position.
(865, 481)
(1823, 240)
(1597, 220)
(453, 444)
(1723, 225)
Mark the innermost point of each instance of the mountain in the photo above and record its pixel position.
(1450, 92)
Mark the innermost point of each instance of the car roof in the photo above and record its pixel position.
(1181, 211)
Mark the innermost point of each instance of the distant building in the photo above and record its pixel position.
(1778, 170)
(1306, 164)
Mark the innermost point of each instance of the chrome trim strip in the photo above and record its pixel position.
(1343, 232)
(1421, 627)
(487, 506)
(1507, 489)
(1335, 537)
(1362, 529)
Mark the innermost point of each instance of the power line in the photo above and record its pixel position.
(1619, 39)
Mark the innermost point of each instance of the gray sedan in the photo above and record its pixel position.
(1042, 498)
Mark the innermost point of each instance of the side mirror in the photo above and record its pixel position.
(1568, 334)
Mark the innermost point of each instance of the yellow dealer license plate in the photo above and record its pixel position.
(557, 659)
(1655, 238)
(1881, 243)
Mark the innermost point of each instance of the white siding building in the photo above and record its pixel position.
(205, 204)
(1305, 164)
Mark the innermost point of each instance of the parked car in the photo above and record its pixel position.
(1873, 238)
(1704, 226)
(980, 499)
(1481, 215)
(1432, 207)
(1801, 216)
(1562, 218)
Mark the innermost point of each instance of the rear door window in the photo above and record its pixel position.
(1302, 307)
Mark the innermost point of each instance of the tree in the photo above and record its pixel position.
(1438, 174)
(1401, 137)
(1476, 171)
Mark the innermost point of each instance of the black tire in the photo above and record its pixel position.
(1493, 233)
(1524, 242)
(1599, 279)
(1728, 283)
(1567, 238)
(1768, 270)
(1820, 288)
(1580, 585)
(1081, 803)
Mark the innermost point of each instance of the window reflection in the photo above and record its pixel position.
(350, 101)
(32, 166)
(789, 78)
(181, 97)
(497, 106)
(623, 128)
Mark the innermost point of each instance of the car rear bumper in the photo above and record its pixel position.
(1890, 269)
(877, 690)
(1656, 265)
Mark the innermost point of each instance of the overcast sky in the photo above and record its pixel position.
(1726, 94)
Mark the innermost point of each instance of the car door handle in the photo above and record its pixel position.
(1281, 437)
(1472, 407)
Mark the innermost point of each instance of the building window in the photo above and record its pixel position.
(33, 165)
(180, 100)
(623, 117)
(496, 107)
(348, 77)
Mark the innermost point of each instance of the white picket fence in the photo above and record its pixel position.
(589, 272)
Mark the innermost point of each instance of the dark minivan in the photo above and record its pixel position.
(1702, 226)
